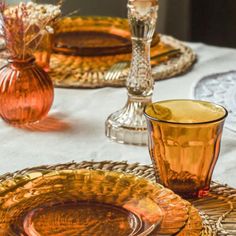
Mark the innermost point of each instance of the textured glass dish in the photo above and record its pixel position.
(93, 36)
(220, 88)
(184, 143)
(88, 202)
(169, 57)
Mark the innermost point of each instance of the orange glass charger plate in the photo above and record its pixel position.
(70, 201)
(87, 47)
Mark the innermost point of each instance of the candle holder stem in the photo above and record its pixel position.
(128, 125)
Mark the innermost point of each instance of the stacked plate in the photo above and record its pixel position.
(66, 200)
(86, 48)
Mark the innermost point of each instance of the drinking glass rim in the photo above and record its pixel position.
(185, 123)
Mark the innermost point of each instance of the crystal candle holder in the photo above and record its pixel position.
(128, 125)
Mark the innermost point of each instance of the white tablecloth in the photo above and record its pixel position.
(80, 114)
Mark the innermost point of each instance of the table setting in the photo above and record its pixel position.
(110, 128)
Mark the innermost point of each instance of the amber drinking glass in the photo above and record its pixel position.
(184, 143)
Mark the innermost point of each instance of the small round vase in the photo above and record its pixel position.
(26, 92)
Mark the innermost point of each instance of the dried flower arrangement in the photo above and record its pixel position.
(24, 25)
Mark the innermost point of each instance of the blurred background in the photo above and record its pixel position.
(209, 21)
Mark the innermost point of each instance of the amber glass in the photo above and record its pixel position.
(26, 93)
(44, 51)
(184, 143)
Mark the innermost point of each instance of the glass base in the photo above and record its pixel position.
(25, 121)
(193, 194)
(128, 125)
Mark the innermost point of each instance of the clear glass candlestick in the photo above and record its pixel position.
(128, 125)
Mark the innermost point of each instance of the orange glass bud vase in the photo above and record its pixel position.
(26, 92)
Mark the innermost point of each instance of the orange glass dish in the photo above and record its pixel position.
(184, 143)
(26, 92)
(89, 202)
(94, 36)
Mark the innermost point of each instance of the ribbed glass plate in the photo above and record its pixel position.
(85, 64)
(88, 202)
(93, 36)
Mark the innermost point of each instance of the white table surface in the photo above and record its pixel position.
(81, 114)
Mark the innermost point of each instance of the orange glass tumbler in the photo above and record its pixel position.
(184, 143)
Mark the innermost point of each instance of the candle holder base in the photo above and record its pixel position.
(128, 125)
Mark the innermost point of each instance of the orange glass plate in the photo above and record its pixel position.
(86, 65)
(88, 202)
(93, 36)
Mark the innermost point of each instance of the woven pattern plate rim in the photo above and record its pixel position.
(175, 210)
(66, 74)
(164, 70)
(168, 69)
(217, 210)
